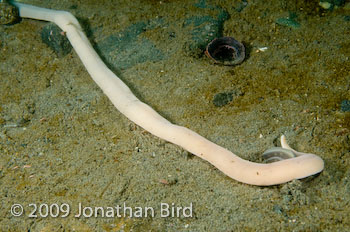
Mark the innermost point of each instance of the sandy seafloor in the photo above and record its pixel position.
(63, 142)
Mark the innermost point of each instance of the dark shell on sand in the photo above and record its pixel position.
(226, 51)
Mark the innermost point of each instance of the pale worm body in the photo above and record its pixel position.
(124, 100)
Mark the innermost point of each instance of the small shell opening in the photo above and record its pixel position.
(226, 51)
(277, 154)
